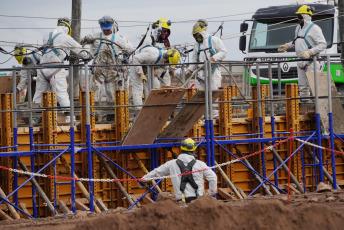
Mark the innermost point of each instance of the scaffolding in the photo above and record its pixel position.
(100, 165)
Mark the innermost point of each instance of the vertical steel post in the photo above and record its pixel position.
(206, 98)
(88, 136)
(71, 132)
(260, 112)
(317, 116)
(330, 120)
(211, 124)
(279, 79)
(32, 156)
(272, 117)
(15, 132)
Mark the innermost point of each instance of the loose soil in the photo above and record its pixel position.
(307, 211)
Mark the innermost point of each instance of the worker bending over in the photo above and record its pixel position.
(188, 187)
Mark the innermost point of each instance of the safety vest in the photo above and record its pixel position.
(187, 178)
(304, 37)
(101, 42)
(212, 53)
(160, 52)
(49, 44)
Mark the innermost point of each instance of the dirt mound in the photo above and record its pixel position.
(208, 213)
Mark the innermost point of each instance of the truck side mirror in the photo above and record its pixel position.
(242, 43)
(243, 27)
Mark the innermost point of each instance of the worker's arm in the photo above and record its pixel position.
(211, 177)
(148, 55)
(162, 170)
(193, 67)
(219, 48)
(319, 40)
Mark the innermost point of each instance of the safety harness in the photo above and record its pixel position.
(49, 44)
(188, 178)
(304, 37)
(160, 52)
(101, 42)
(212, 53)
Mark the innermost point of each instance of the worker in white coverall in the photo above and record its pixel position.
(159, 38)
(188, 187)
(58, 45)
(309, 41)
(107, 47)
(31, 59)
(148, 55)
(210, 48)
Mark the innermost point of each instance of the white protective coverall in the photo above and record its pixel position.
(108, 54)
(171, 168)
(317, 41)
(51, 79)
(147, 55)
(162, 71)
(34, 61)
(220, 54)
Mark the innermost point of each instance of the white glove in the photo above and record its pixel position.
(307, 54)
(188, 74)
(283, 48)
(143, 77)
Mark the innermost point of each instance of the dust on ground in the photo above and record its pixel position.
(307, 211)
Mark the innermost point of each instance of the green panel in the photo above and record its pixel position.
(334, 70)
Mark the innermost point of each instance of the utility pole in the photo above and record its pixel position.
(341, 28)
(76, 29)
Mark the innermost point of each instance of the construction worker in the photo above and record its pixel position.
(159, 38)
(107, 47)
(188, 187)
(26, 59)
(148, 55)
(309, 41)
(210, 48)
(57, 45)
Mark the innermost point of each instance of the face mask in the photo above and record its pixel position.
(198, 38)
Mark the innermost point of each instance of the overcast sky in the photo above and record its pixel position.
(31, 30)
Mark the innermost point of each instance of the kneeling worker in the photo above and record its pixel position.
(188, 187)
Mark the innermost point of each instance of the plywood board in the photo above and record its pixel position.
(188, 116)
(152, 119)
(337, 108)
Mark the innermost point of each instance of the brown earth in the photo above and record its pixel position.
(308, 211)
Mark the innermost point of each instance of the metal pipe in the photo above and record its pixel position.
(285, 167)
(318, 120)
(88, 137)
(10, 207)
(71, 132)
(330, 120)
(211, 121)
(15, 131)
(279, 79)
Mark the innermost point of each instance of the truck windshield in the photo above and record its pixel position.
(267, 36)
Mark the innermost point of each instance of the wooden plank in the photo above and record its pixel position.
(63, 207)
(188, 116)
(4, 216)
(81, 206)
(23, 207)
(224, 192)
(151, 120)
(101, 205)
(337, 108)
(147, 200)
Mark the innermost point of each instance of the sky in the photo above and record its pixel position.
(133, 17)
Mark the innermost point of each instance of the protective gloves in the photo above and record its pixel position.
(173, 73)
(307, 54)
(283, 48)
(143, 78)
(88, 39)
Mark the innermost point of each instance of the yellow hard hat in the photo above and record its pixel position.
(188, 145)
(164, 23)
(65, 22)
(19, 54)
(173, 56)
(304, 9)
(199, 26)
